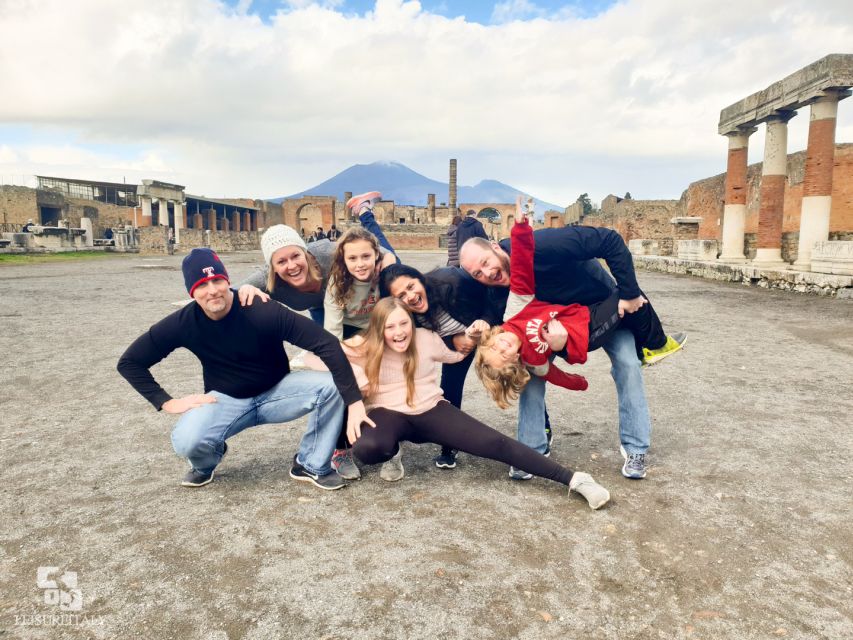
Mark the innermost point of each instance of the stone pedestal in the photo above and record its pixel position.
(833, 256)
(701, 250)
(88, 234)
(644, 247)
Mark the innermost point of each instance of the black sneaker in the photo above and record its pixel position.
(196, 478)
(446, 459)
(329, 482)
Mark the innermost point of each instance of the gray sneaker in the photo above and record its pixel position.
(344, 464)
(635, 464)
(328, 482)
(392, 470)
(583, 483)
(518, 474)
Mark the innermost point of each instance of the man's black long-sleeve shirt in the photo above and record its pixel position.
(567, 270)
(241, 355)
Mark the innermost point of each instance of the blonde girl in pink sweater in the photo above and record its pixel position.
(395, 367)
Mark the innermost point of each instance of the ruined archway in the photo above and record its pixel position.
(308, 217)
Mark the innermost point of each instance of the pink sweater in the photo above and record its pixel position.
(391, 392)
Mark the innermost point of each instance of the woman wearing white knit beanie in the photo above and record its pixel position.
(294, 274)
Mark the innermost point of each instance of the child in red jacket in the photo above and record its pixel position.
(521, 346)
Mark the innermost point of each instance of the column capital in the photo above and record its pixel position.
(836, 94)
(746, 130)
(780, 116)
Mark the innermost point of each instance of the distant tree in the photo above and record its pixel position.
(586, 203)
(627, 195)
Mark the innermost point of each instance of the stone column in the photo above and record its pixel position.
(235, 221)
(198, 222)
(180, 220)
(163, 211)
(146, 219)
(247, 222)
(774, 173)
(452, 200)
(734, 212)
(817, 183)
(88, 236)
(347, 213)
(211, 220)
(431, 207)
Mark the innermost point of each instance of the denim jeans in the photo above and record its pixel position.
(200, 433)
(635, 427)
(318, 315)
(368, 221)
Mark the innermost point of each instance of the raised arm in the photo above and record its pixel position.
(522, 283)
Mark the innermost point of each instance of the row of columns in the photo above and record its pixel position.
(235, 221)
(817, 186)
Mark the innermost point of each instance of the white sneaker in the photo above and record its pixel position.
(392, 470)
(596, 495)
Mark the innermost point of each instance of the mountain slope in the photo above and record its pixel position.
(402, 185)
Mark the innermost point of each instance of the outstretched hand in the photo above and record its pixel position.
(182, 405)
(357, 415)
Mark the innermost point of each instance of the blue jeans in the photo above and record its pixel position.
(200, 433)
(318, 315)
(635, 427)
(368, 221)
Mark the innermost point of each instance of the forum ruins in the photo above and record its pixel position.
(786, 222)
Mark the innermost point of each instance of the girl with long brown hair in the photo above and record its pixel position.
(394, 365)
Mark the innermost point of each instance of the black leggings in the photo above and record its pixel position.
(446, 425)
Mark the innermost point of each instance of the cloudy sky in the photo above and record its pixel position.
(262, 98)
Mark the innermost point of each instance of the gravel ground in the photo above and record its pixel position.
(741, 530)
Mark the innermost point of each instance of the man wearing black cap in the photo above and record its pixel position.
(247, 377)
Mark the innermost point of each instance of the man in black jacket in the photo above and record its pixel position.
(469, 228)
(567, 271)
(241, 353)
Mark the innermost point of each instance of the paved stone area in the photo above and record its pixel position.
(741, 530)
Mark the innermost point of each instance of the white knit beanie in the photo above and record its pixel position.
(278, 236)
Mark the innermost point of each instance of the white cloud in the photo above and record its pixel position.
(230, 104)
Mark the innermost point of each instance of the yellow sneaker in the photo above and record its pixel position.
(673, 344)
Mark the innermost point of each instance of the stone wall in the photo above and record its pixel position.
(154, 240)
(821, 284)
(17, 205)
(411, 236)
(638, 219)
